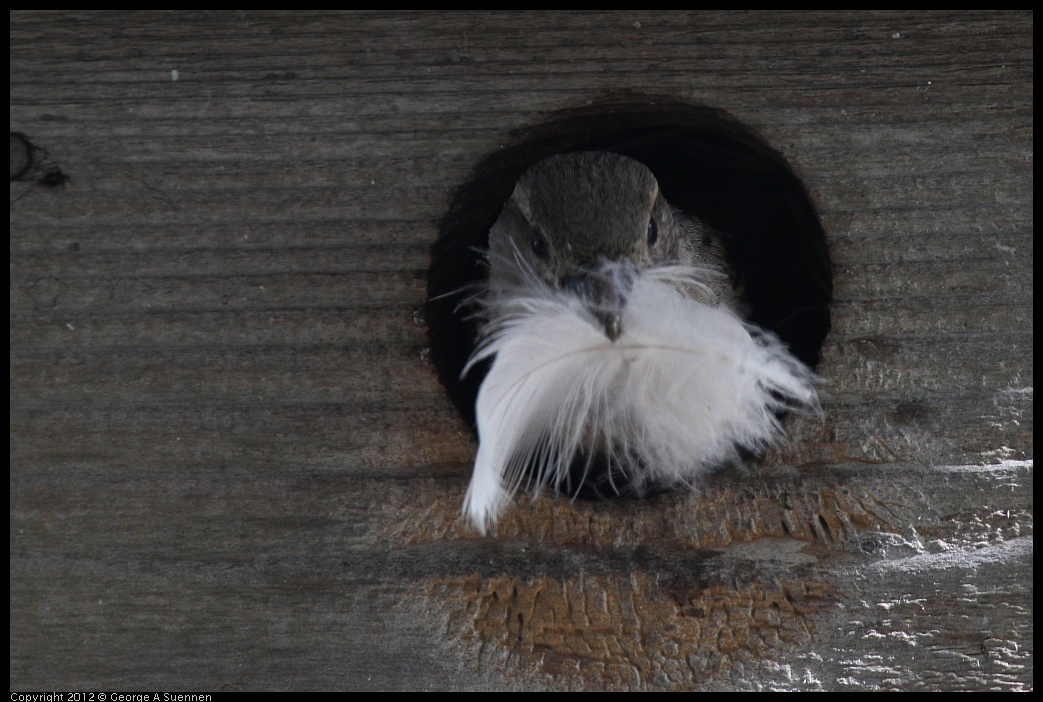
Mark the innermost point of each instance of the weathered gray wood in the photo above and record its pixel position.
(233, 466)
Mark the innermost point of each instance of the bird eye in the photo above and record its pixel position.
(653, 231)
(539, 244)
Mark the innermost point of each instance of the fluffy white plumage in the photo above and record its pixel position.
(673, 397)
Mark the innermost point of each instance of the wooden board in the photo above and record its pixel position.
(232, 464)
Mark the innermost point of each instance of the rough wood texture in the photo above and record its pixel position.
(233, 467)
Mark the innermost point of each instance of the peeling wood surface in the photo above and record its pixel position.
(233, 468)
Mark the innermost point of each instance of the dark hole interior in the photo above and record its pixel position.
(706, 163)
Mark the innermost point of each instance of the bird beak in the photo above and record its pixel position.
(605, 295)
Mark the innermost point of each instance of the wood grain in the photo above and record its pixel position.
(232, 464)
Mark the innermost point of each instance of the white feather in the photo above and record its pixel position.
(672, 398)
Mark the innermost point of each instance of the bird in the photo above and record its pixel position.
(619, 352)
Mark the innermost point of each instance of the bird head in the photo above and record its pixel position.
(584, 223)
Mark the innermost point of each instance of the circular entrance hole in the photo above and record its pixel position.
(706, 162)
